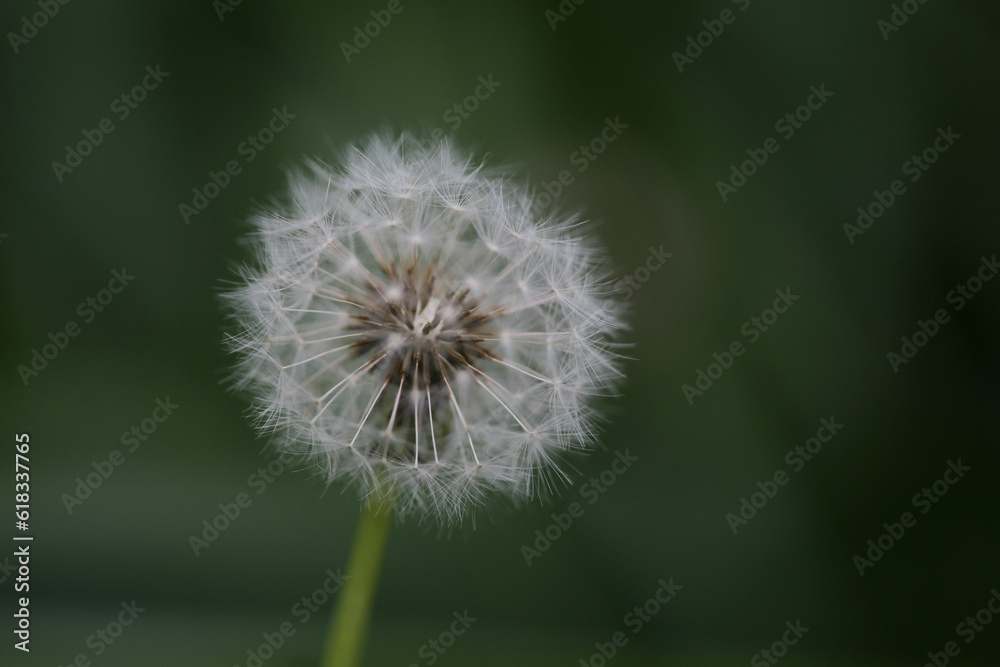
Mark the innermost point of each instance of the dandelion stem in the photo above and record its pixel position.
(349, 625)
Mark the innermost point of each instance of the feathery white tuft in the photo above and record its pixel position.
(410, 325)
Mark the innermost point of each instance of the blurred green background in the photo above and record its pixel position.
(654, 186)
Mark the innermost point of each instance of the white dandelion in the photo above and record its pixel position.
(412, 326)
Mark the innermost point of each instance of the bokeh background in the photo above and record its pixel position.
(654, 187)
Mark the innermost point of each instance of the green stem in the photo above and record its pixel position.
(349, 625)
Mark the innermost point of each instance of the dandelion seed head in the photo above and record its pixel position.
(409, 325)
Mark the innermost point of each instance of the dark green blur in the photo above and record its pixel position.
(654, 187)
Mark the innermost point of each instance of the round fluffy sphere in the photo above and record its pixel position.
(412, 325)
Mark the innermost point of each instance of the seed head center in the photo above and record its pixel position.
(426, 323)
(417, 330)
